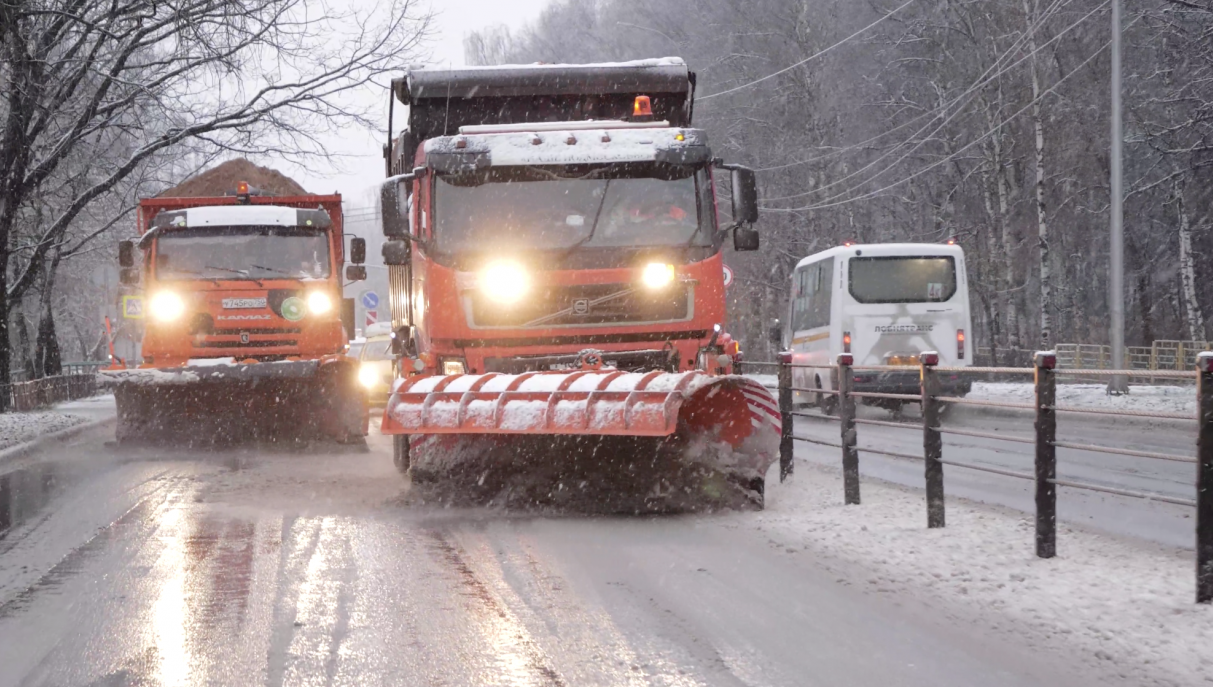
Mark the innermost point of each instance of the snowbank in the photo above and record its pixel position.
(18, 428)
(1155, 399)
(1118, 608)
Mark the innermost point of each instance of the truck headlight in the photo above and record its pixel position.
(658, 275)
(166, 306)
(453, 367)
(368, 376)
(504, 282)
(319, 303)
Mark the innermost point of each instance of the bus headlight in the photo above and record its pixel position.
(505, 282)
(658, 275)
(166, 306)
(319, 303)
(368, 376)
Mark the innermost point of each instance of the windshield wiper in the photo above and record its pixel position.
(275, 269)
(593, 225)
(243, 273)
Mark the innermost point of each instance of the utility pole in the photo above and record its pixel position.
(1117, 384)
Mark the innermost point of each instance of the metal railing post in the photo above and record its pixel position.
(1046, 454)
(1204, 479)
(785, 414)
(846, 414)
(932, 440)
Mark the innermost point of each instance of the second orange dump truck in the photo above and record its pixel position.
(243, 335)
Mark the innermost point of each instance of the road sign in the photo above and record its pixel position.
(372, 316)
(370, 300)
(132, 307)
(728, 275)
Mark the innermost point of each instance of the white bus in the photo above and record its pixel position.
(884, 304)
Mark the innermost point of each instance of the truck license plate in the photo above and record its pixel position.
(236, 303)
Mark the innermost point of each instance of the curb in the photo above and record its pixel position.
(21, 450)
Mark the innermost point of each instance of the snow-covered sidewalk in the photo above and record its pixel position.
(18, 430)
(1119, 607)
(1141, 397)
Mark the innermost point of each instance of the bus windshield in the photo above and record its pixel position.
(242, 252)
(562, 207)
(903, 279)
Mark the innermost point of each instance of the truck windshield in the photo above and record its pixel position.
(897, 279)
(242, 252)
(554, 208)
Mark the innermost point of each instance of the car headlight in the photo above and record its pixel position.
(166, 306)
(319, 303)
(505, 282)
(368, 376)
(658, 275)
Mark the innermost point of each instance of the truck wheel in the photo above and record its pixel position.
(400, 453)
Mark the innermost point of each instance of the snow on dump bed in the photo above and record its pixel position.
(1155, 399)
(1120, 609)
(650, 62)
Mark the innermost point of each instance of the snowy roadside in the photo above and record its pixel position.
(1141, 397)
(21, 433)
(1119, 607)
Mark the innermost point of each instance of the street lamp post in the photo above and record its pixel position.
(1117, 384)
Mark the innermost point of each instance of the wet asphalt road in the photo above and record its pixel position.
(245, 567)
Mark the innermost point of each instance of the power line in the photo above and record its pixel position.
(984, 79)
(810, 57)
(949, 158)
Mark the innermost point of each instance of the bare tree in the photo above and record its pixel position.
(121, 84)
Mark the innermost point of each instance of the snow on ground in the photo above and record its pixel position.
(1154, 399)
(769, 381)
(1117, 607)
(18, 428)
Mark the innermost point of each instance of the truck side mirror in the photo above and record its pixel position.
(745, 195)
(394, 206)
(397, 252)
(355, 272)
(126, 253)
(358, 251)
(745, 238)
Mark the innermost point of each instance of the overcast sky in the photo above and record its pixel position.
(362, 157)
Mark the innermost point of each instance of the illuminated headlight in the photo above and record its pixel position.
(453, 367)
(658, 275)
(505, 282)
(368, 376)
(319, 303)
(166, 306)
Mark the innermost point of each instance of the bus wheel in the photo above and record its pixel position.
(828, 403)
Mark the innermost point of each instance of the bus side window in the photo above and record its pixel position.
(819, 308)
(806, 279)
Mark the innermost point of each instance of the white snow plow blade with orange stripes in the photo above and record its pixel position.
(685, 406)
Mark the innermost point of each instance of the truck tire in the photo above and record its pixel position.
(400, 453)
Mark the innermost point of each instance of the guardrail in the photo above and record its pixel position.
(46, 392)
(1044, 474)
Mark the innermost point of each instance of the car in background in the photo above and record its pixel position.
(375, 370)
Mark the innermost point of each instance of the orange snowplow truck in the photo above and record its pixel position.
(555, 264)
(243, 334)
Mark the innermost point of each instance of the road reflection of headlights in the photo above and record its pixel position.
(166, 306)
(319, 303)
(658, 275)
(368, 376)
(505, 282)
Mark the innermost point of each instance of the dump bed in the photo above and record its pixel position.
(442, 100)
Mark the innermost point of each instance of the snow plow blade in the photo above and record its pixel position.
(232, 402)
(604, 402)
(659, 435)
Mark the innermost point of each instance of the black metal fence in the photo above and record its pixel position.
(1045, 373)
(46, 392)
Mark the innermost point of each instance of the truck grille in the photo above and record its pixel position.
(585, 305)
